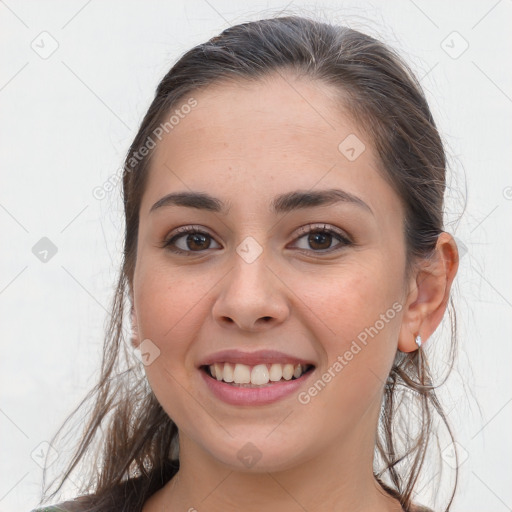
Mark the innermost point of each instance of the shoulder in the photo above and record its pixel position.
(126, 492)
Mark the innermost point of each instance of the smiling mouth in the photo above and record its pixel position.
(260, 375)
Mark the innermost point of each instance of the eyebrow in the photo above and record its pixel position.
(280, 204)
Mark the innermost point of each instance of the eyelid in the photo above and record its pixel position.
(182, 231)
(321, 226)
(343, 237)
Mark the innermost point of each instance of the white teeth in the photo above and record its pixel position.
(288, 371)
(228, 372)
(259, 374)
(276, 372)
(219, 371)
(242, 374)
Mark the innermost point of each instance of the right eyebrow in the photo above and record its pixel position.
(197, 200)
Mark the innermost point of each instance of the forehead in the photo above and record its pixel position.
(273, 116)
(278, 133)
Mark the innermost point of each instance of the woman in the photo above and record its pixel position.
(284, 265)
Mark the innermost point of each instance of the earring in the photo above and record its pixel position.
(418, 340)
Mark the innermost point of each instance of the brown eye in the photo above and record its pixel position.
(189, 240)
(198, 242)
(321, 239)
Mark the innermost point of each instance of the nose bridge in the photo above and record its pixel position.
(251, 273)
(251, 295)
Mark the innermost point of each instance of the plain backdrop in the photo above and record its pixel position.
(76, 78)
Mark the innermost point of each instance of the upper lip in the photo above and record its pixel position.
(253, 358)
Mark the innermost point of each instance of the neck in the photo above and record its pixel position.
(337, 479)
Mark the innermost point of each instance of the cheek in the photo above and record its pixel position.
(361, 310)
(353, 298)
(167, 301)
(167, 306)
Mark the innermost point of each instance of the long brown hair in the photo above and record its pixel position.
(126, 436)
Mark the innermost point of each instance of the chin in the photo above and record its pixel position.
(256, 453)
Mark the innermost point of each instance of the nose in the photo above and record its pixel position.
(252, 297)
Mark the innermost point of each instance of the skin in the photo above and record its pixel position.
(245, 145)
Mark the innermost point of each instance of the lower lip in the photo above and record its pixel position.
(236, 395)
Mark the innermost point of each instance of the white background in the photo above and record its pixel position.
(67, 122)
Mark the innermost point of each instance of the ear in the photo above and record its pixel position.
(135, 330)
(429, 292)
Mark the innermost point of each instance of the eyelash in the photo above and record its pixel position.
(303, 231)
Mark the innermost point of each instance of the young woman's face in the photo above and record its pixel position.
(251, 287)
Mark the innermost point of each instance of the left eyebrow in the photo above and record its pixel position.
(280, 204)
(308, 199)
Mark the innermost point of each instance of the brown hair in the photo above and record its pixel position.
(127, 436)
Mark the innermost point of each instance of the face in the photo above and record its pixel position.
(273, 271)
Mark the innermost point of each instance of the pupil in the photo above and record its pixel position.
(196, 239)
(324, 239)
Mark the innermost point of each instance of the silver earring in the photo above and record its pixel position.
(418, 340)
